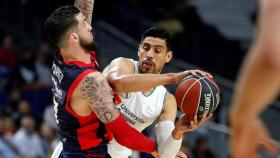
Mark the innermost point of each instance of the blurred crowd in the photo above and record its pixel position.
(27, 122)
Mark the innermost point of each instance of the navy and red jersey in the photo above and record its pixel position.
(77, 133)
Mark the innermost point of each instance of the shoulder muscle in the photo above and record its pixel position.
(119, 66)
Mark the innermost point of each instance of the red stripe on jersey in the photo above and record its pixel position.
(80, 63)
(109, 135)
(117, 99)
(88, 124)
(71, 90)
(87, 135)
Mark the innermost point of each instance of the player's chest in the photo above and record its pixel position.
(140, 109)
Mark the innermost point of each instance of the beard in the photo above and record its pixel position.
(88, 46)
(147, 70)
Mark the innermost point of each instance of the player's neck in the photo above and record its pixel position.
(73, 54)
(148, 92)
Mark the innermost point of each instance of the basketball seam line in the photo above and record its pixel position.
(199, 97)
(197, 80)
(186, 80)
(215, 84)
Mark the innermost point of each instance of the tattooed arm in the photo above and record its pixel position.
(86, 7)
(96, 91)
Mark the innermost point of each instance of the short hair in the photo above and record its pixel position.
(59, 22)
(157, 33)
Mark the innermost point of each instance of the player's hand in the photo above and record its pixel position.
(198, 73)
(83, 5)
(247, 138)
(179, 76)
(155, 154)
(184, 124)
(180, 154)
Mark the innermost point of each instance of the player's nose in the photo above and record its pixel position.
(89, 27)
(150, 53)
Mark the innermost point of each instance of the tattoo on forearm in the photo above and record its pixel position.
(98, 94)
(86, 7)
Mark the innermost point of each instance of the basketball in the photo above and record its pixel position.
(197, 95)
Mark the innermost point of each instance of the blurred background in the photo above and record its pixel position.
(209, 35)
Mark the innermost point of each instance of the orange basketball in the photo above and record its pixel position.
(196, 95)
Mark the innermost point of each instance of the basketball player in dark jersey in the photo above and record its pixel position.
(86, 116)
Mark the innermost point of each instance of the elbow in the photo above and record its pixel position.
(116, 84)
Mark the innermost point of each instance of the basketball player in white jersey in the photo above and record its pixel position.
(142, 99)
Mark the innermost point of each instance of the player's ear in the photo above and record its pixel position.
(72, 38)
(168, 56)
(75, 36)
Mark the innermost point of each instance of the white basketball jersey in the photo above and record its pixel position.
(140, 111)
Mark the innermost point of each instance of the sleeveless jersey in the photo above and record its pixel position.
(139, 110)
(77, 133)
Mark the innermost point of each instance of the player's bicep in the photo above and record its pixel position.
(96, 91)
(169, 110)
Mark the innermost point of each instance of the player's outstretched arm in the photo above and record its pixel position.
(96, 91)
(122, 78)
(86, 7)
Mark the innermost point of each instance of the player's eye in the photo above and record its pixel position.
(157, 51)
(146, 48)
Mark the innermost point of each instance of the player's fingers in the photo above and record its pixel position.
(195, 120)
(203, 73)
(209, 116)
(203, 118)
(193, 72)
(181, 154)
(208, 74)
(270, 146)
(199, 72)
(155, 154)
(192, 125)
(265, 140)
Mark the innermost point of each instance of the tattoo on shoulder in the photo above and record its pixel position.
(98, 94)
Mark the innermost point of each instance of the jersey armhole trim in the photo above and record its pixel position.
(163, 103)
(71, 90)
